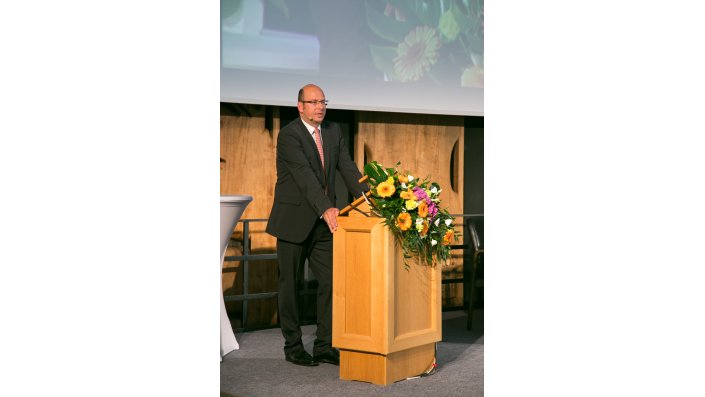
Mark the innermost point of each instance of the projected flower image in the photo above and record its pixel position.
(417, 53)
(436, 40)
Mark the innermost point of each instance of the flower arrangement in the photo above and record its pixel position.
(411, 209)
(435, 40)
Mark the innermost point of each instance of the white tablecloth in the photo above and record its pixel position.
(231, 208)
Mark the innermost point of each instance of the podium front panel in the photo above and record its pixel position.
(358, 275)
(379, 304)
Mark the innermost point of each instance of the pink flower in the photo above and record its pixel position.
(398, 14)
(432, 210)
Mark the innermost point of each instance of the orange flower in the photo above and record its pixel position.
(408, 194)
(385, 189)
(403, 178)
(423, 209)
(404, 221)
(448, 238)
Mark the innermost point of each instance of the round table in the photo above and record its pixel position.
(231, 208)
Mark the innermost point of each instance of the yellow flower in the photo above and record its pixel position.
(408, 194)
(390, 180)
(424, 229)
(411, 204)
(423, 209)
(404, 221)
(448, 25)
(417, 53)
(448, 238)
(385, 189)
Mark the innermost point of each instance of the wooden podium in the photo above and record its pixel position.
(386, 317)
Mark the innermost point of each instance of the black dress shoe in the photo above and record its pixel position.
(331, 356)
(301, 357)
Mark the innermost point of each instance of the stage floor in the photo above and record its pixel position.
(258, 368)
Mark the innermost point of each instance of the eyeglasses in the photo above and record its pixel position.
(323, 102)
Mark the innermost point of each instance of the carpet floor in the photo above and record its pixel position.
(258, 368)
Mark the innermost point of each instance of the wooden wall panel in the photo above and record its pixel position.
(423, 143)
(249, 150)
(427, 146)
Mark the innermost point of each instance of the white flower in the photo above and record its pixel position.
(434, 190)
(411, 178)
(449, 221)
(433, 242)
(437, 221)
(403, 185)
(419, 221)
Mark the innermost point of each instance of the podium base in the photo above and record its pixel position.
(385, 369)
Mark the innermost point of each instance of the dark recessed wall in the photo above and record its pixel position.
(473, 196)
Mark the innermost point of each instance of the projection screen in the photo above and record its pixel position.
(409, 56)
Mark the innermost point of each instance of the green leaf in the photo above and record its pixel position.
(407, 9)
(428, 12)
(476, 44)
(375, 171)
(423, 12)
(229, 8)
(463, 18)
(445, 73)
(387, 27)
(281, 6)
(383, 59)
(477, 59)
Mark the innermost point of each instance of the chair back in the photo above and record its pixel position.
(475, 238)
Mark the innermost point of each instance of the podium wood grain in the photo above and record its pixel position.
(386, 317)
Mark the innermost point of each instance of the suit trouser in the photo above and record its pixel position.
(318, 248)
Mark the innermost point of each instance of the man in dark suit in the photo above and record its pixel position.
(303, 218)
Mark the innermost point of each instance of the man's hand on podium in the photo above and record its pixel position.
(330, 216)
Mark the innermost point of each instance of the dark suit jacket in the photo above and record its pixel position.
(300, 195)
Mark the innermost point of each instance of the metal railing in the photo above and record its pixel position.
(248, 257)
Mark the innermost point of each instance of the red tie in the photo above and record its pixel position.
(317, 137)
